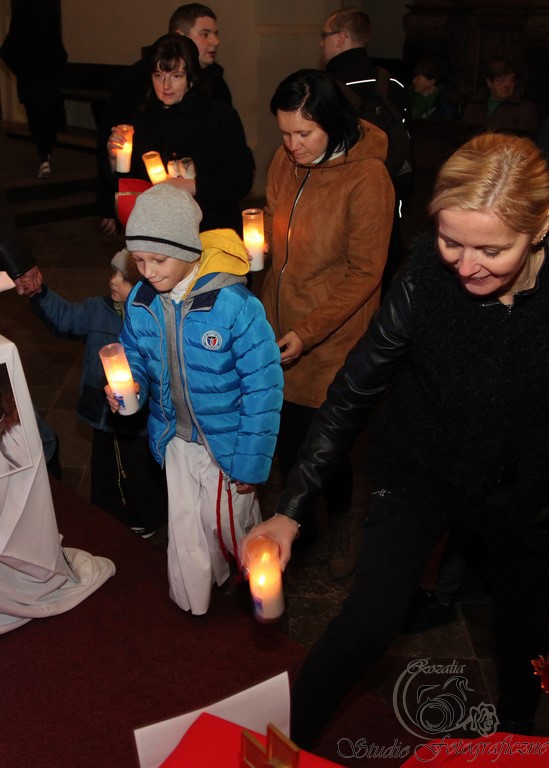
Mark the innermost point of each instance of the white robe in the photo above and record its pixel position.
(195, 557)
(37, 577)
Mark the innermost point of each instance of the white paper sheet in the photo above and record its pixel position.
(254, 708)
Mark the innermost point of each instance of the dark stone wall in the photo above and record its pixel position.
(466, 35)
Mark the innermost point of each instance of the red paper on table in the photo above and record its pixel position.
(124, 199)
(212, 742)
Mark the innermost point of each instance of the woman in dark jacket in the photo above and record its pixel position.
(455, 372)
(180, 120)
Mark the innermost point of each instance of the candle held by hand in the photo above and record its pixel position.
(265, 579)
(182, 169)
(119, 376)
(124, 155)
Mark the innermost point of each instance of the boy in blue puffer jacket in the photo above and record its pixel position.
(125, 480)
(206, 361)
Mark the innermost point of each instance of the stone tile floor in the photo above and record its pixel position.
(74, 257)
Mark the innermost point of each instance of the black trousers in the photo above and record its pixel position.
(396, 547)
(126, 481)
(43, 120)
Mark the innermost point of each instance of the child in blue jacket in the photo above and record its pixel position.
(125, 480)
(206, 361)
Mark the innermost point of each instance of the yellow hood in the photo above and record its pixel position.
(222, 251)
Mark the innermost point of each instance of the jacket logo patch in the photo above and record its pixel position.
(212, 340)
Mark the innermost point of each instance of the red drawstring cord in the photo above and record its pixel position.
(222, 546)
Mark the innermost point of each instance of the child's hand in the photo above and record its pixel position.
(244, 487)
(29, 283)
(111, 399)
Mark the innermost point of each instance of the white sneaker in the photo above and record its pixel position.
(44, 172)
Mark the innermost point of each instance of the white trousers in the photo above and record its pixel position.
(197, 515)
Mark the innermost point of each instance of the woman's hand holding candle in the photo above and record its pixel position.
(115, 145)
(115, 142)
(282, 529)
(119, 148)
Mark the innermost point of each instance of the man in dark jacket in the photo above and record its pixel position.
(200, 24)
(343, 40)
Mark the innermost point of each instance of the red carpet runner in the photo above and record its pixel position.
(73, 687)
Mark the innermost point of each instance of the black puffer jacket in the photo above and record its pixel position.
(355, 66)
(459, 390)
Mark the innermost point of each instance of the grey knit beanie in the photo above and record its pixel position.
(165, 220)
(124, 263)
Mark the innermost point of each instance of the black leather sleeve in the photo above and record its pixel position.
(15, 255)
(370, 368)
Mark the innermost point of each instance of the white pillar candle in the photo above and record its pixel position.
(254, 237)
(265, 579)
(119, 376)
(155, 167)
(124, 155)
(182, 169)
(188, 168)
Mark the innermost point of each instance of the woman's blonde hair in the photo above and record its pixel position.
(498, 173)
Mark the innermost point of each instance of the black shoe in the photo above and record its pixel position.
(427, 612)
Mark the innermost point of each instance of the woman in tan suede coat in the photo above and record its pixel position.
(328, 219)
